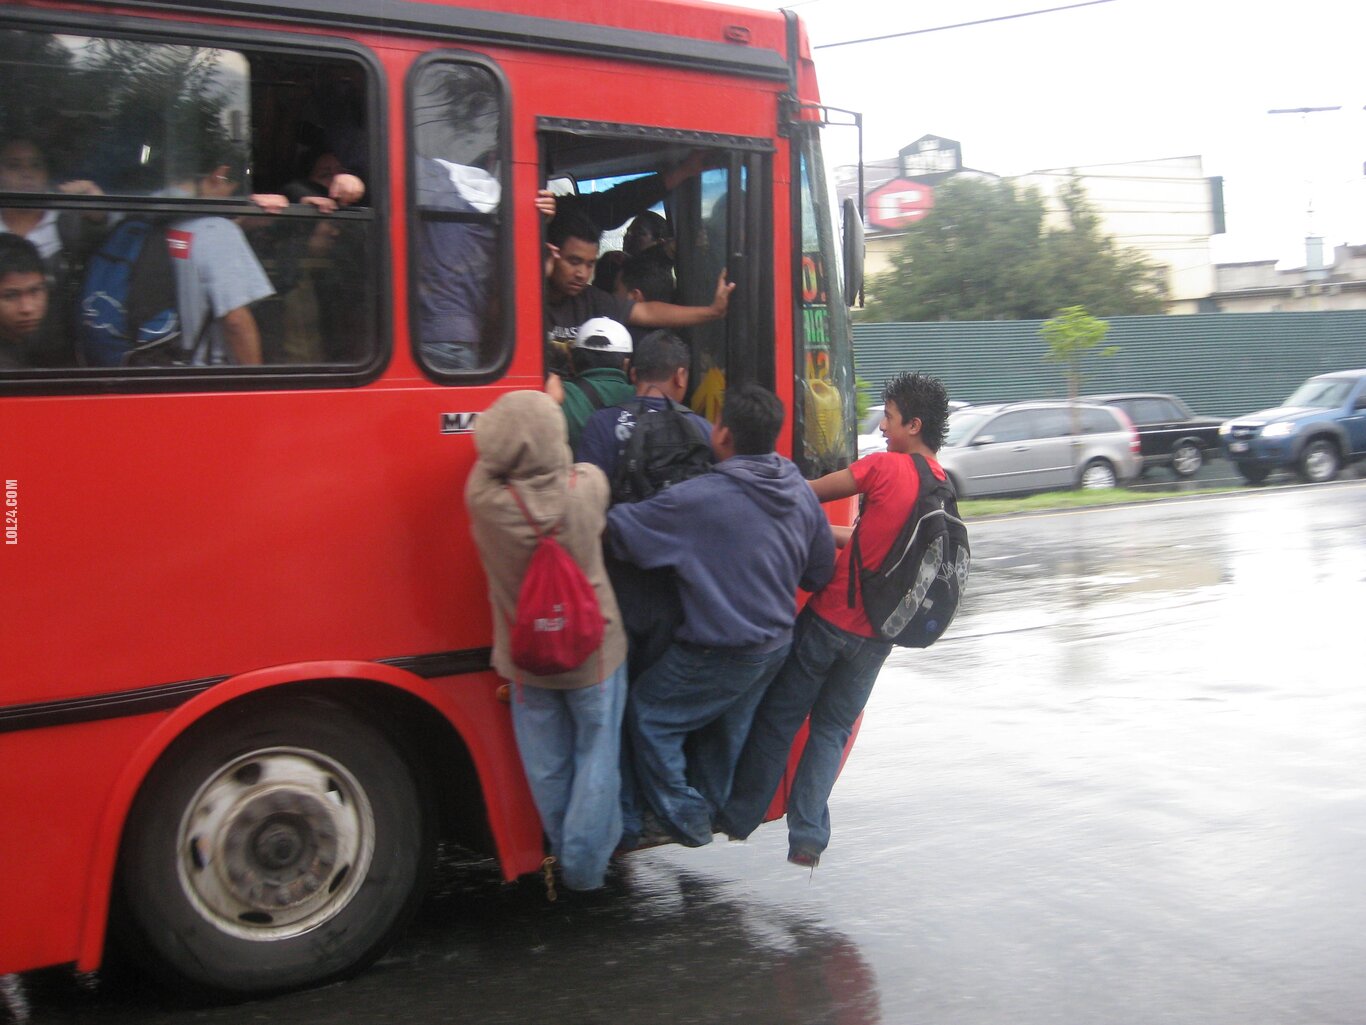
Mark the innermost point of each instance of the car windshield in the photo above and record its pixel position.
(961, 424)
(1321, 392)
(871, 419)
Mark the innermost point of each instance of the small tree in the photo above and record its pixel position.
(1073, 337)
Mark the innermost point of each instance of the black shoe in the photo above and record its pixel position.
(804, 857)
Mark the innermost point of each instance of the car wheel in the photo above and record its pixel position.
(1187, 459)
(1319, 462)
(1098, 473)
(1252, 473)
(272, 850)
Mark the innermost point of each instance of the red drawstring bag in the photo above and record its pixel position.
(558, 622)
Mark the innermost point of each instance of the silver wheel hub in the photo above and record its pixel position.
(1319, 464)
(1187, 459)
(275, 843)
(1097, 477)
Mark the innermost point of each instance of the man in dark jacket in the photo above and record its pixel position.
(741, 540)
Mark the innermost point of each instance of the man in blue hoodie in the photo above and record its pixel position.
(741, 540)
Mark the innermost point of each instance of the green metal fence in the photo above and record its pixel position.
(1222, 364)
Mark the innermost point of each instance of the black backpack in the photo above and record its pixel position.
(128, 309)
(912, 596)
(664, 448)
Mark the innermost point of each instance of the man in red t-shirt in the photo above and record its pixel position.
(836, 654)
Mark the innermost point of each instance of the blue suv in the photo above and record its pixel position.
(1317, 430)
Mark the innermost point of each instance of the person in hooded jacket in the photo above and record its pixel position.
(741, 540)
(568, 726)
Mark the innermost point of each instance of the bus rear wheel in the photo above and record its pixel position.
(279, 848)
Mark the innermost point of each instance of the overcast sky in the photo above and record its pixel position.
(1117, 81)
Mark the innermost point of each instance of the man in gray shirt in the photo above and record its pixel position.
(218, 277)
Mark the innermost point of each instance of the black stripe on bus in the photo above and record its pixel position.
(121, 704)
(473, 26)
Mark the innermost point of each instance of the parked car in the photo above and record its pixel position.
(870, 439)
(1169, 434)
(1317, 430)
(1005, 448)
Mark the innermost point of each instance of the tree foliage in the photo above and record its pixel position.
(985, 253)
(1073, 337)
(129, 114)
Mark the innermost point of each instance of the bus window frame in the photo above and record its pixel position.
(57, 381)
(747, 313)
(805, 144)
(505, 222)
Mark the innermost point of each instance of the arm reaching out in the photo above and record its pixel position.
(658, 314)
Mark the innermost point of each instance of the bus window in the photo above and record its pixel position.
(121, 147)
(458, 175)
(825, 424)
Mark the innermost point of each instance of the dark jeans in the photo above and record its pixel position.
(711, 692)
(650, 613)
(829, 675)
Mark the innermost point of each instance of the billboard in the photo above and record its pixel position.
(895, 204)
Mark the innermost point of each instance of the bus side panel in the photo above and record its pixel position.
(55, 784)
(196, 536)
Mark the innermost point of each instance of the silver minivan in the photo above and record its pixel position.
(1015, 447)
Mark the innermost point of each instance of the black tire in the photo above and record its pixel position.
(1252, 473)
(1098, 473)
(1320, 461)
(1187, 458)
(271, 848)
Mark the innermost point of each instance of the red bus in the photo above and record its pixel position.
(245, 685)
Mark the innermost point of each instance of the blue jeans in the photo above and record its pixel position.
(569, 741)
(829, 675)
(708, 692)
(450, 357)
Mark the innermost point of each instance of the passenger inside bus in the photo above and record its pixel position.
(646, 231)
(64, 239)
(608, 272)
(23, 303)
(217, 274)
(325, 183)
(648, 277)
(572, 248)
(317, 268)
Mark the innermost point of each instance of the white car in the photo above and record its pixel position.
(870, 439)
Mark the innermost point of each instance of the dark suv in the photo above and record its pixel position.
(1316, 430)
(1168, 432)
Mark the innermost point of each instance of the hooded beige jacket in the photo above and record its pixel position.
(522, 439)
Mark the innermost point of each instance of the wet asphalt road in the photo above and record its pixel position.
(1129, 787)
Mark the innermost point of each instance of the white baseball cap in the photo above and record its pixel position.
(603, 334)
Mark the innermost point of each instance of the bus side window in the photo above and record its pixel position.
(183, 138)
(458, 179)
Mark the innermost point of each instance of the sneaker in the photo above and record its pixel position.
(804, 858)
(653, 833)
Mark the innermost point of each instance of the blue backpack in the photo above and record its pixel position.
(129, 315)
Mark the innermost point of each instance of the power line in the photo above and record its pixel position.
(962, 24)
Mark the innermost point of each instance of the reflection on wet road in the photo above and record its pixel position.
(1129, 787)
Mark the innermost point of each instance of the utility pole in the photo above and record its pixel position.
(1313, 242)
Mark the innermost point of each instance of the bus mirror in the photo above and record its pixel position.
(853, 253)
